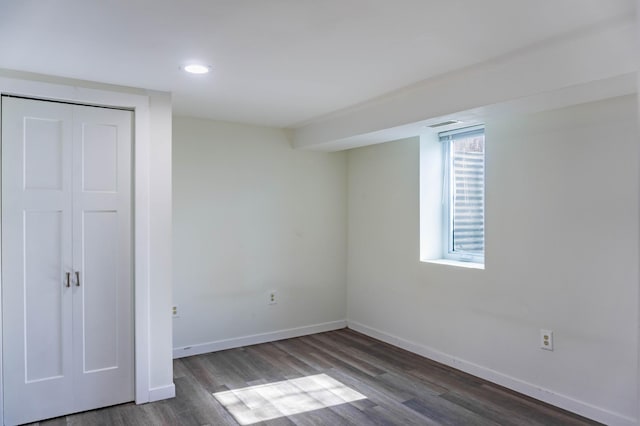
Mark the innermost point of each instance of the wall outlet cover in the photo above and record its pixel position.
(546, 340)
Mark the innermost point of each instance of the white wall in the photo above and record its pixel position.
(252, 215)
(561, 253)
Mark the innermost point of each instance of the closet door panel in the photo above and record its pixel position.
(100, 291)
(103, 302)
(99, 157)
(43, 295)
(43, 146)
(36, 256)
(66, 212)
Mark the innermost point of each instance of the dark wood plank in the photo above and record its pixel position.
(381, 397)
(290, 366)
(401, 388)
(446, 413)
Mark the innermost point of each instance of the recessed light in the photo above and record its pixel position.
(197, 69)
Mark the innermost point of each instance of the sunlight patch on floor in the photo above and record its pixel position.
(258, 403)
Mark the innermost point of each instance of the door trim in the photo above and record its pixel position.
(139, 104)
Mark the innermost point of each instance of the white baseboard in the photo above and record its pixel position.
(255, 339)
(162, 392)
(562, 401)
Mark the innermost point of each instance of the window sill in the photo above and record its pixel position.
(448, 262)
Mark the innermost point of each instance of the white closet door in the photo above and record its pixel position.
(103, 296)
(36, 256)
(66, 208)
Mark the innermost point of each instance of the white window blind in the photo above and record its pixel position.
(464, 193)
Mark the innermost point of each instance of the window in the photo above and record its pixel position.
(463, 194)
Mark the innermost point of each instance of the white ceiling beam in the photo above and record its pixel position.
(604, 57)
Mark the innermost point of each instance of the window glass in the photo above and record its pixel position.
(464, 194)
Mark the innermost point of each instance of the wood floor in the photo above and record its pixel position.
(401, 388)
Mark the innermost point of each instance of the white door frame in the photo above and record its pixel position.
(141, 211)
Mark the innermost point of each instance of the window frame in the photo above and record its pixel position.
(449, 253)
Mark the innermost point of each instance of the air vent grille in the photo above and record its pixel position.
(444, 123)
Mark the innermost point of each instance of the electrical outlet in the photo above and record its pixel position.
(174, 311)
(273, 299)
(546, 340)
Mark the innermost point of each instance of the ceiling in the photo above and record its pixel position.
(279, 63)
